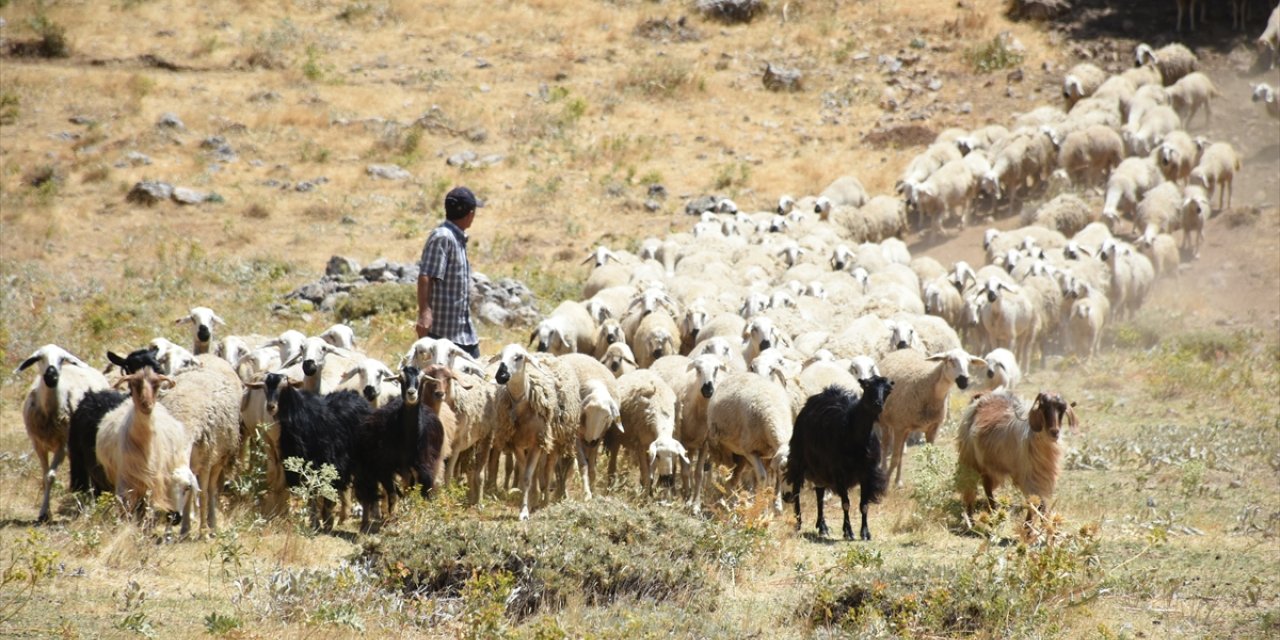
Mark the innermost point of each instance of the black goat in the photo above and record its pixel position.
(835, 446)
(318, 429)
(402, 438)
(82, 443)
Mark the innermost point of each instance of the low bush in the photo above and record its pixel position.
(597, 553)
(378, 299)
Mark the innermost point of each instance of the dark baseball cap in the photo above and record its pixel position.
(459, 202)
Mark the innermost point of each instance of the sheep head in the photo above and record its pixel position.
(955, 365)
(599, 412)
(611, 332)
(271, 384)
(202, 320)
(875, 392)
(863, 367)
(841, 256)
(616, 355)
(901, 334)
(513, 360)
(1047, 413)
(372, 374)
(785, 205)
(340, 335)
(708, 368)
(695, 318)
(1143, 54)
(53, 357)
(312, 356)
(667, 449)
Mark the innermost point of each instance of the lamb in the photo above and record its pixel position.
(1081, 82)
(1085, 321)
(928, 161)
(1090, 154)
(340, 336)
(835, 445)
(1010, 318)
(648, 411)
(592, 376)
(921, 386)
(1269, 41)
(751, 417)
(317, 429)
(548, 412)
(1161, 249)
(202, 320)
(1160, 210)
(569, 329)
(948, 191)
(694, 393)
(1066, 213)
(1195, 211)
(1218, 167)
(49, 405)
(760, 334)
(1000, 438)
(142, 449)
(619, 358)
(1002, 370)
(1173, 61)
(1177, 156)
(1267, 96)
(403, 438)
(943, 300)
(480, 410)
(1190, 93)
(1131, 276)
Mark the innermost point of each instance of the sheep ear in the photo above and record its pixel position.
(349, 374)
(974, 360)
(533, 336)
(564, 341)
(28, 362)
(494, 358)
(183, 320)
(292, 361)
(937, 357)
(256, 384)
(219, 320)
(629, 360)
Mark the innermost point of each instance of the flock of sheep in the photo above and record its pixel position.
(745, 343)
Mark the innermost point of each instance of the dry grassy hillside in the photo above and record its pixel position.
(1169, 507)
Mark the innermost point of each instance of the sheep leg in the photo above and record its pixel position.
(491, 473)
(511, 466)
(585, 467)
(819, 494)
(48, 473)
(526, 479)
(646, 473)
(847, 529)
(475, 493)
(899, 445)
(866, 497)
(700, 473)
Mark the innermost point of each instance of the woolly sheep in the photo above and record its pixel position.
(928, 161)
(1161, 249)
(1189, 94)
(202, 321)
(373, 380)
(340, 336)
(548, 412)
(750, 417)
(863, 367)
(946, 193)
(1081, 82)
(140, 446)
(1090, 154)
(1001, 438)
(835, 445)
(1002, 370)
(1010, 319)
(1156, 123)
(1218, 167)
(606, 277)
(1195, 211)
(922, 332)
(883, 217)
(1269, 41)
(289, 342)
(655, 337)
(982, 139)
(648, 413)
(609, 333)
(1173, 61)
(619, 359)
(921, 387)
(1131, 276)
(427, 351)
(843, 191)
(1160, 210)
(1066, 214)
(1085, 321)
(1142, 76)
(481, 409)
(1126, 186)
(569, 329)
(760, 334)
(322, 364)
(1265, 94)
(48, 406)
(1177, 156)
(943, 300)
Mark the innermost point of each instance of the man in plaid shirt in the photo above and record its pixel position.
(444, 276)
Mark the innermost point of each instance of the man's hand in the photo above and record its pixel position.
(424, 306)
(424, 323)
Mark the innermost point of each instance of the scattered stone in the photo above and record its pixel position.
(1014, 76)
(782, 78)
(697, 206)
(137, 159)
(341, 266)
(149, 192)
(388, 172)
(935, 85)
(264, 96)
(461, 159)
(652, 206)
(732, 11)
(378, 270)
(183, 195)
(220, 149)
(666, 30)
(965, 108)
(170, 121)
(657, 191)
(83, 120)
(481, 63)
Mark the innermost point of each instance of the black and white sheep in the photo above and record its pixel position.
(835, 445)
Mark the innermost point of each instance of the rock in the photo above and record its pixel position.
(387, 172)
(461, 159)
(697, 206)
(782, 78)
(732, 11)
(264, 96)
(652, 206)
(341, 266)
(657, 192)
(304, 186)
(149, 192)
(82, 120)
(935, 85)
(376, 270)
(170, 121)
(183, 195)
(965, 108)
(490, 312)
(137, 159)
(222, 151)
(477, 134)
(1014, 76)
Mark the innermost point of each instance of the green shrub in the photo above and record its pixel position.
(378, 299)
(661, 78)
(598, 553)
(993, 56)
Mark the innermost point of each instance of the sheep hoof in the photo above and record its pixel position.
(866, 534)
(524, 514)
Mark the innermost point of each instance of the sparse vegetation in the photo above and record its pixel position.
(994, 55)
(386, 298)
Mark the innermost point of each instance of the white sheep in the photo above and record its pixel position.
(1126, 186)
(1195, 212)
(1081, 82)
(428, 351)
(648, 413)
(882, 217)
(340, 336)
(751, 417)
(1177, 156)
(843, 191)
(548, 411)
(322, 364)
(759, 334)
(1218, 167)
(1089, 155)
(1142, 76)
(372, 379)
(1265, 94)
(694, 392)
(481, 409)
(922, 385)
(982, 139)
(600, 412)
(928, 161)
(1066, 214)
(171, 357)
(289, 342)
(1172, 61)
(202, 321)
(656, 336)
(1002, 370)
(1131, 276)
(1085, 321)
(1191, 93)
(619, 359)
(1161, 249)
(1150, 130)
(1010, 319)
(140, 446)
(1160, 210)
(569, 329)
(47, 409)
(948, 192)
(863, 367)
(1269, 41)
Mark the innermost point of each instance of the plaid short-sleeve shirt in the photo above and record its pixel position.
(444, 260)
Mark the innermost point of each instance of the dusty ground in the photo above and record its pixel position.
(587, 114)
